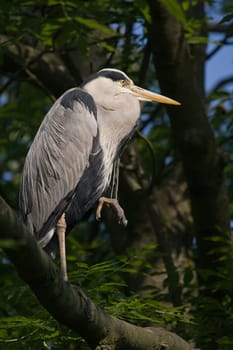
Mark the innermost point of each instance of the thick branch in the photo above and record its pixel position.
(42, 67)
(68, 304)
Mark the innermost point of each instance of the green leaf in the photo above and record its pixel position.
(197, 39)
(46, 35)
(93, 24)
(7, 243)
(176, 10)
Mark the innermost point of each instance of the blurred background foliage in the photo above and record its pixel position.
(48, 46)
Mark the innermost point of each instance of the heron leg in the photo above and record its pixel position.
(61, 232)
(114, 204)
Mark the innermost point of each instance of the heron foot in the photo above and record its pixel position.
(114, 204)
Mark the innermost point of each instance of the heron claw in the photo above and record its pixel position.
(112, 202)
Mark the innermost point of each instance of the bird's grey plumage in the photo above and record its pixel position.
(70, 162)
(56, 161)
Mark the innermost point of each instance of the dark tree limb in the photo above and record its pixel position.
(68, 304)
(36, 64)
(53, 71)
(219, 27)
(218, 47)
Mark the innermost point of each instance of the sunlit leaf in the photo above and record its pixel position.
(93, 24)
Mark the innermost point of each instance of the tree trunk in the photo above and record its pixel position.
(202, 161)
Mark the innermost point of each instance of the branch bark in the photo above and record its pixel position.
(68, 304)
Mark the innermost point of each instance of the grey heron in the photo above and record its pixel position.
(70, 163)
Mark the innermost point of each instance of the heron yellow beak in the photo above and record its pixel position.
(146, 95)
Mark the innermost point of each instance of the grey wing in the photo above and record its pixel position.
(56, 160)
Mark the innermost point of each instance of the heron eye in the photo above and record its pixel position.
(123, 82)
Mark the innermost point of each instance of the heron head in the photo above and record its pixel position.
(113, 82)
(125, 84)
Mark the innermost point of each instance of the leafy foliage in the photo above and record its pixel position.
(29, 326)
(216, 303)
(116, 34)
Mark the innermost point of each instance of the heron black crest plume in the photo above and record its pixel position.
(69, 166)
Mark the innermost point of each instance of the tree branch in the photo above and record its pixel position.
(43, 67)
(218, 47)
(219, 27)
(68, 304)
(222, 83)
